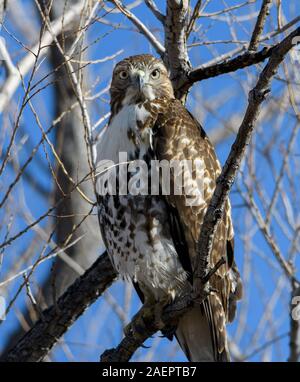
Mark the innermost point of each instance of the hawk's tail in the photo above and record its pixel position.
(199, 336)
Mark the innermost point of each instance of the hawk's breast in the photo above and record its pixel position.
(135, 228)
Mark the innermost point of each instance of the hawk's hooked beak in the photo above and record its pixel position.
(140, 80)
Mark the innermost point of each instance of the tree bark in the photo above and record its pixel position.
(56, 320)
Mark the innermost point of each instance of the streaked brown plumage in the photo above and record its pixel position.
(152, 239)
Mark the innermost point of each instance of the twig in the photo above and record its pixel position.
(13, 80)
(151, 5)
(262, 347)
(31, 297)
(140, 26)
(265, 231)
(76, 267)
(194, 17)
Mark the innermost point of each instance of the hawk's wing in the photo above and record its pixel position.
(179, 137)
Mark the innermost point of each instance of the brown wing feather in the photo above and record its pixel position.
(180, 137)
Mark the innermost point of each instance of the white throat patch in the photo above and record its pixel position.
(115, 138)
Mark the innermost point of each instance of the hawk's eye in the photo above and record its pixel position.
(123, 75)
(155, 74)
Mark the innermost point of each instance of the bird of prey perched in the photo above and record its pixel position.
(151, 238)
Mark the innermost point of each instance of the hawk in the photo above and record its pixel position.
(151, 238)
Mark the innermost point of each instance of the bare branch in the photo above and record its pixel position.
(176, 57)
(266, 232)
(194, 17)
(36, 343)
(259, 26)
(151, 5)
(242, 61)
(140, 26)
(145, 325)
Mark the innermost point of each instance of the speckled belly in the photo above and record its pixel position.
(136, 232)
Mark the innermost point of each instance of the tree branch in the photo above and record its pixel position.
(225, 181)
(176, 57)
(259, 26)
(241, 61)
(140, 26)
(152, 6)
(145, 323)
(57, 319)
(193, 18)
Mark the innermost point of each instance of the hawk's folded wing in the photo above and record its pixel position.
(179, 138)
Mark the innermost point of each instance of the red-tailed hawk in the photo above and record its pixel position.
(151, 237)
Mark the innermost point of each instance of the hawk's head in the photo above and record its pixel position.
(139, 78)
